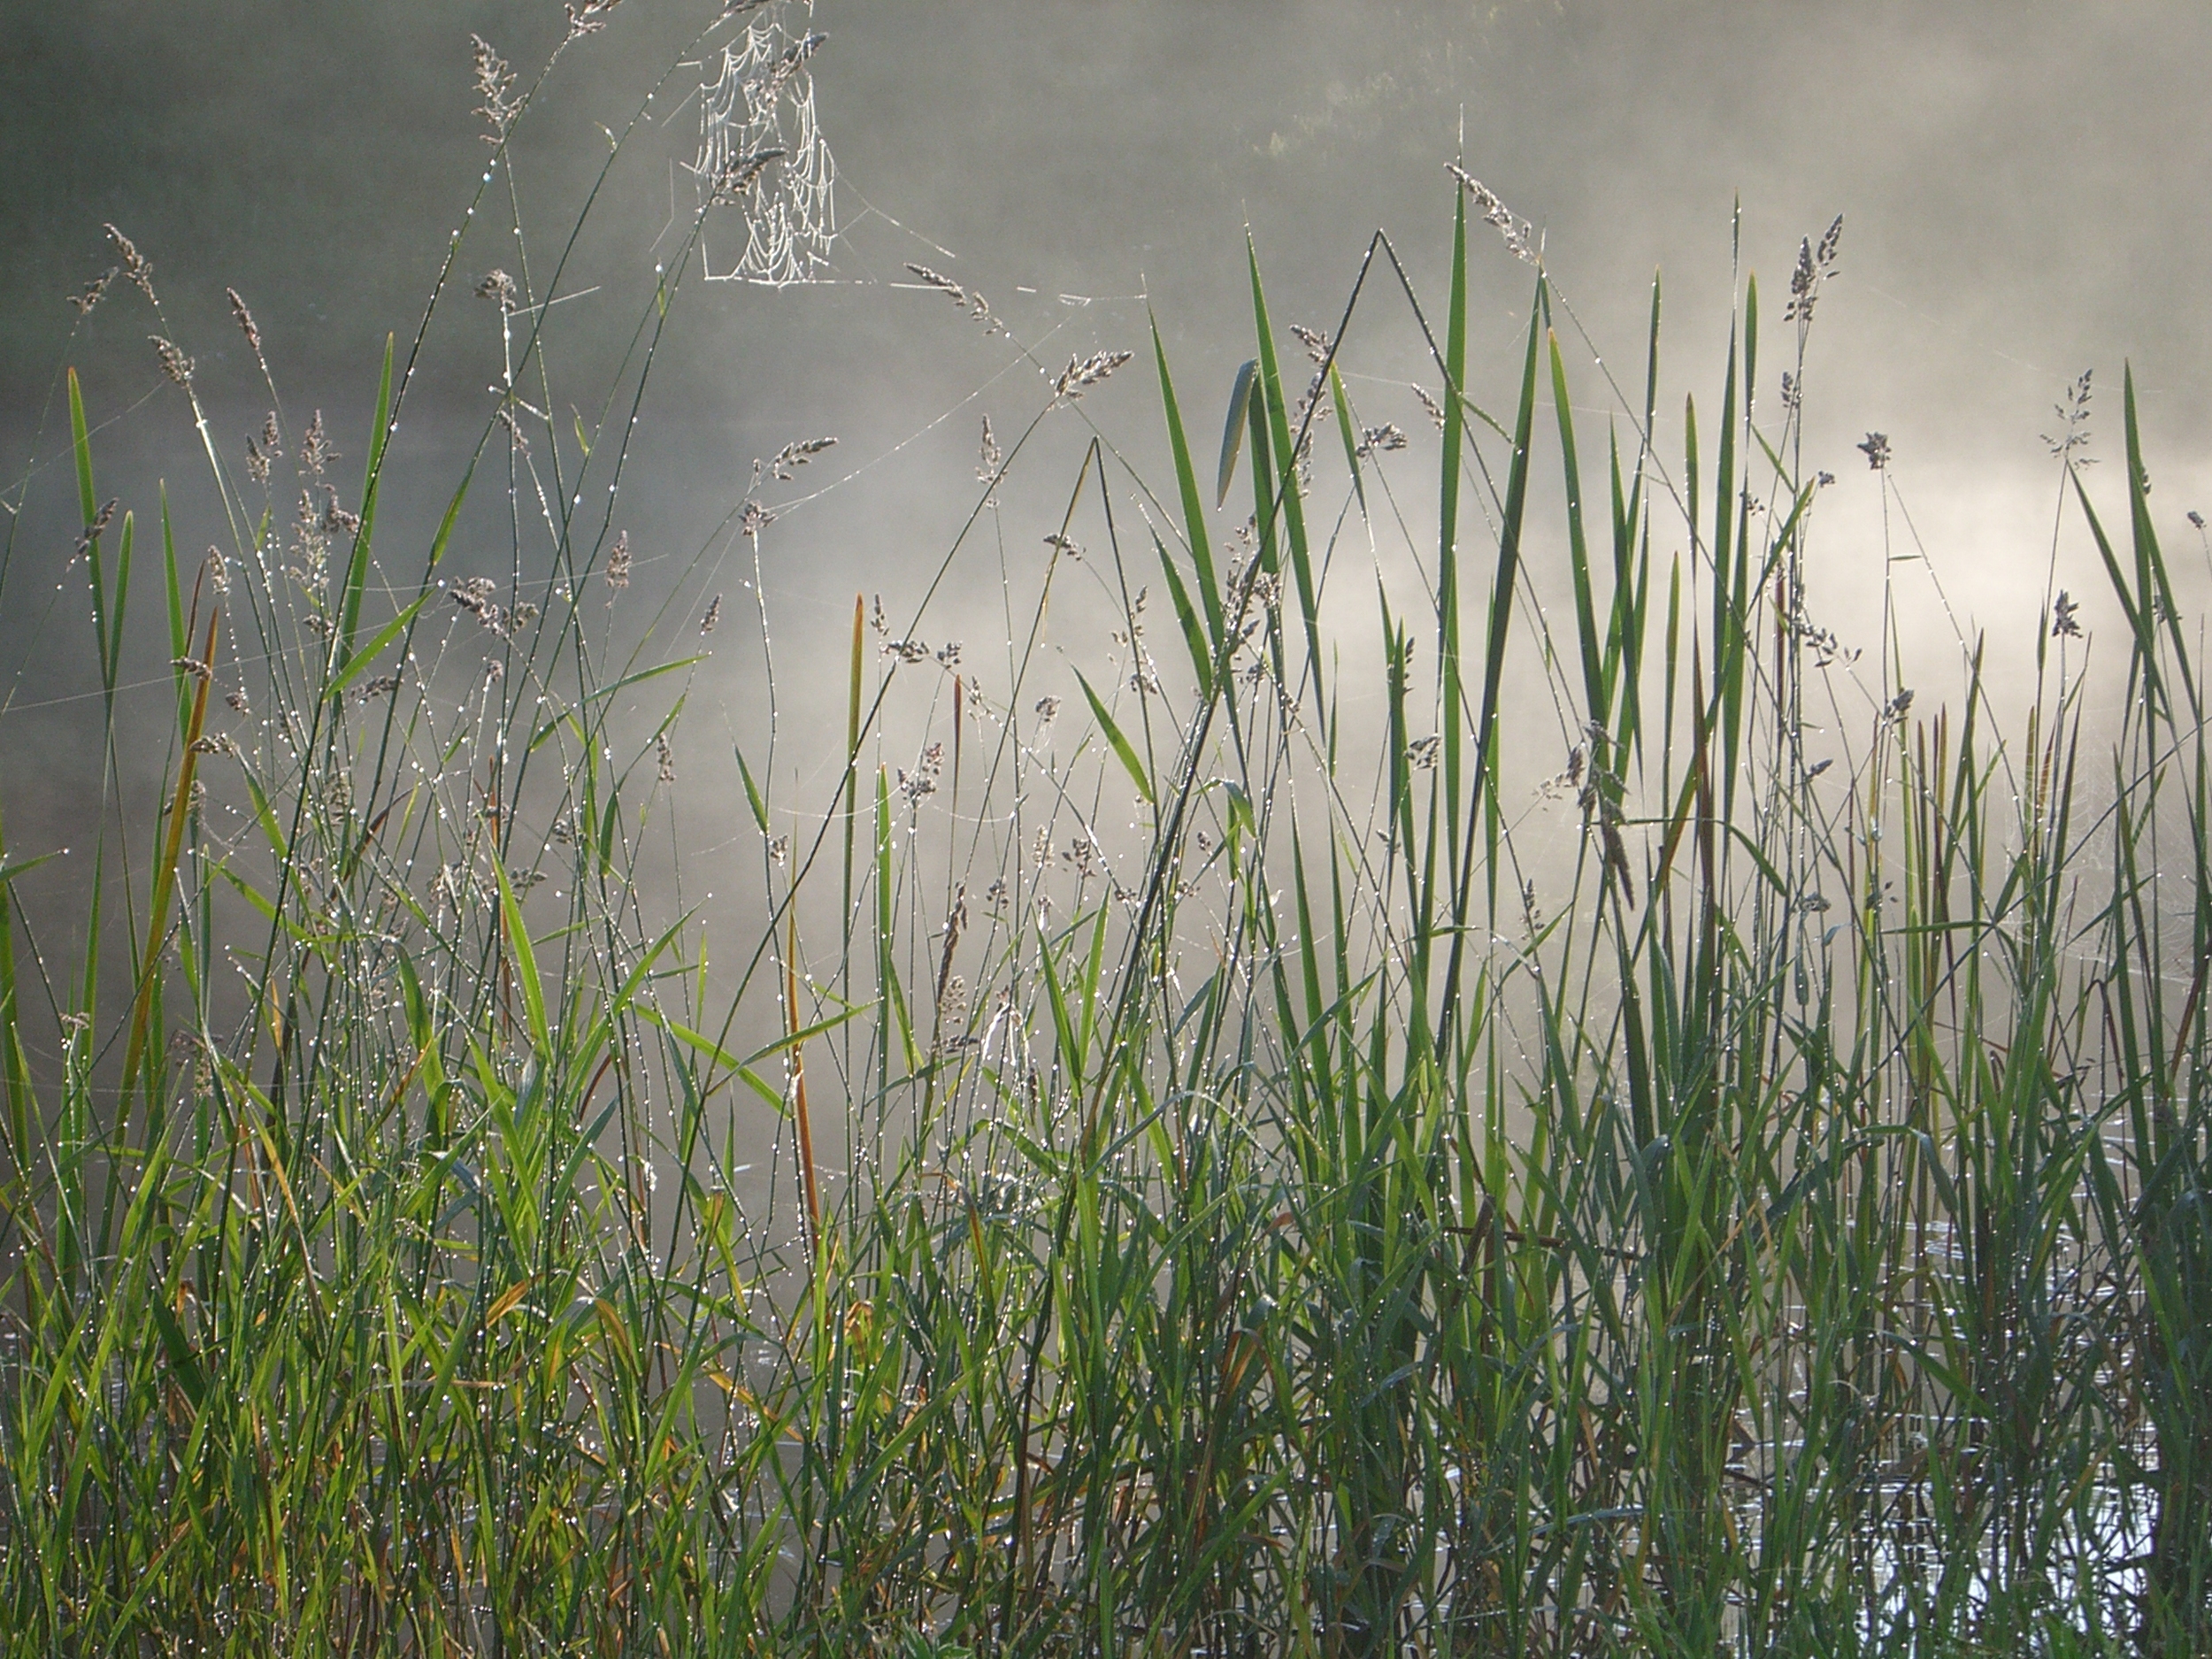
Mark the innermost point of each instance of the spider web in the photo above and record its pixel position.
(761, 151)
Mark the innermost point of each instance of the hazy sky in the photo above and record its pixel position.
(2022, 186)
(2024, 181)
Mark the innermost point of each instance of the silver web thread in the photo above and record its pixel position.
(761, 151)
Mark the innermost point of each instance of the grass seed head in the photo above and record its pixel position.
(82, 303)
(990, 460)
(1517, 234)
(174, 364)
(97, 527)
(786, 461)
(736, 180)
(336, 519)
(1085, 372)
(244, 319)
(495, 84)
(135, 265)
(315, 450)
(587, 19)
(2073, 414)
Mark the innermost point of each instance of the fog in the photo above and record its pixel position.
(2022, 202)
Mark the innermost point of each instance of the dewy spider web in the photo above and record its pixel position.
(761, 150)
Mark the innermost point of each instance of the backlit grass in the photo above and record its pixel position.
(1235, 1183)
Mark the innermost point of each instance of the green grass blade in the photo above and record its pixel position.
(1120, 744)
(1288, 493)
(752, 794)
(1577, 544)
(2151, 578)
(1349, 434)
(358, 568)
(1503, 585)
(366, 658)
(1186, 619)
(1194, 530)
(1232, 430)
(1448, 639)
(525, 962)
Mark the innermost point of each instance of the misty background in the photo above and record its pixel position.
(2022, 187)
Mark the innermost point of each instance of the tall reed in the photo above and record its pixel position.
(1242, 1184)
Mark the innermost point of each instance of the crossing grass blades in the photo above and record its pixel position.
(1267, 1229)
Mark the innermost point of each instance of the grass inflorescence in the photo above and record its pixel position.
(1233, 1187)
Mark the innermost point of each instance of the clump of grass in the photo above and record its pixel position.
(1239, 1184)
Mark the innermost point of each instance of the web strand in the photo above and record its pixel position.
(761, 151)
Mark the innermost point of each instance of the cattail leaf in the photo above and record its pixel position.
(1593, 682)
(1120, 744)
(2153, 582)
(1232, 430)
(1194, 631)
(2140, 622)
(1482, 788)
(1194, 508)
(1450, 685)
